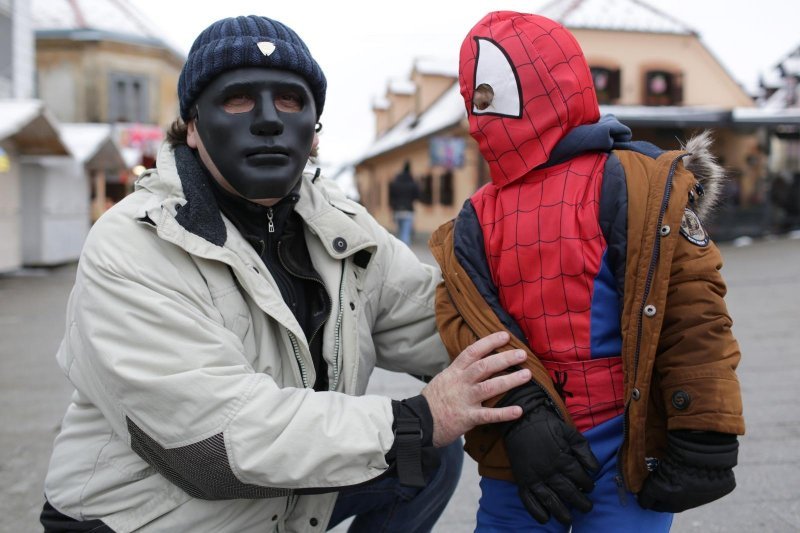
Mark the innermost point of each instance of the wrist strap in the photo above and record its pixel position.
(408, 436)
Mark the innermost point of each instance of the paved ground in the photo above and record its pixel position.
(764, 298)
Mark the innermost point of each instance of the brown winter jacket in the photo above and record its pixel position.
(678, 351)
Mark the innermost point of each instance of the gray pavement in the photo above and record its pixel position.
(764, 299)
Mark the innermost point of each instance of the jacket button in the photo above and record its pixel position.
(339, 244)
(636, 394)
(681, 400)
(650, 310)
(313, 522)
(665, 230)
(274, 517)
(352, 306)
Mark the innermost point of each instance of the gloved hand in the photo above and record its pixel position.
(697, 469)
(551, 461)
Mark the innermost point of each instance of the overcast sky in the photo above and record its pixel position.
(361, 44)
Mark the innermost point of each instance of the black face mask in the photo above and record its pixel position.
(257, 125)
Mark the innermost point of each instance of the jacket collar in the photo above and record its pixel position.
(184, 188)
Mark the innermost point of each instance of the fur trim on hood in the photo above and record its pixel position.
(708, 172)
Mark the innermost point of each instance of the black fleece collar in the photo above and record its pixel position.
(200, 215)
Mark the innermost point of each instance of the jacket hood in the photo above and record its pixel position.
(539, 86)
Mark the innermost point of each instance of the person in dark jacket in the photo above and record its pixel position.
(403, 192)
(590, 249)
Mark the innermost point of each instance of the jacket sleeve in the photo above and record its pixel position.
(404, 325)
(146, 344)
(697, 352)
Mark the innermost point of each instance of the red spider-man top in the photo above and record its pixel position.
(527, 85)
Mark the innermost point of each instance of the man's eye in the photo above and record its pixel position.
(239, 103)
(289, 102)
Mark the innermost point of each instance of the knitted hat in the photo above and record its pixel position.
(250, 41)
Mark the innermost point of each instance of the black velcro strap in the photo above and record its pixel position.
(408, 437)
(361, 258)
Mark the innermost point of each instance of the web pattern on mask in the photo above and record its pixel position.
(544, 246)
(540, 55)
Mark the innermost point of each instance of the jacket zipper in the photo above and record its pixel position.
(338, 331)
(330, 305)
(270, 223)
(299, 359)
(619, 478)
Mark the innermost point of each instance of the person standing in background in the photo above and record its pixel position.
(403, 192)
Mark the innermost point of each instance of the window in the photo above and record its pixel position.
(446, 188)
(662, 87)
(606, 84)
(426, 190)
(127, 98)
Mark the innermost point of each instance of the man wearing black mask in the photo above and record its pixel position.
(226, 318)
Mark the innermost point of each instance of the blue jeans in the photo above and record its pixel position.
(501, 510)
(405, 225)
(386, 506)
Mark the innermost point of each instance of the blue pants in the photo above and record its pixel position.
(405, 225)
(501, 510)
(386, 506)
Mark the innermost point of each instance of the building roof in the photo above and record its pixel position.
(615, 15)
(445, 112)
(436, 67)
(92, 145)
(92, 20)
(449, 110)
(30, 125)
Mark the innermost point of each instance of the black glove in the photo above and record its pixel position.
(551, 461)
(697, 469)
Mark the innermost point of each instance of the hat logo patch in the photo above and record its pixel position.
(266, 47)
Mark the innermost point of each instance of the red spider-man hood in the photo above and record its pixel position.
(542, 89)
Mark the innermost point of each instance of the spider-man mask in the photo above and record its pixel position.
(526, 84)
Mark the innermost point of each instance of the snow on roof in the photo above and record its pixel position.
(380, 103)
(401, 86)
(16, 114)
(84, 140)
(760, 115)
(35, 129)
(617, 15)
(673, 115)
(436, 67)
(117, 19)
(447, 111)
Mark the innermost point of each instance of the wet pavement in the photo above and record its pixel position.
(764, 299)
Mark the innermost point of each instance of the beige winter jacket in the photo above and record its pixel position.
(184, 351)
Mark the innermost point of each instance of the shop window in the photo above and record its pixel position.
(446, 188)
(127, 98)
(662, 87)
(426, 189)
(606, 84)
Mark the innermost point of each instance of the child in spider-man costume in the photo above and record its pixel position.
(589, 249)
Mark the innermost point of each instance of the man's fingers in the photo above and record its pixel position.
(502, 384)
(493, 415)
(479, 349)
(494, 364)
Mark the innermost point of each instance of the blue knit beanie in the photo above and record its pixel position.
(250, 41)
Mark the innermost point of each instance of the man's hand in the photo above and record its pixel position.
(455, 395)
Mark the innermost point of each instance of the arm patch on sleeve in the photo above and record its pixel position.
(692, 229)
(201, 469)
